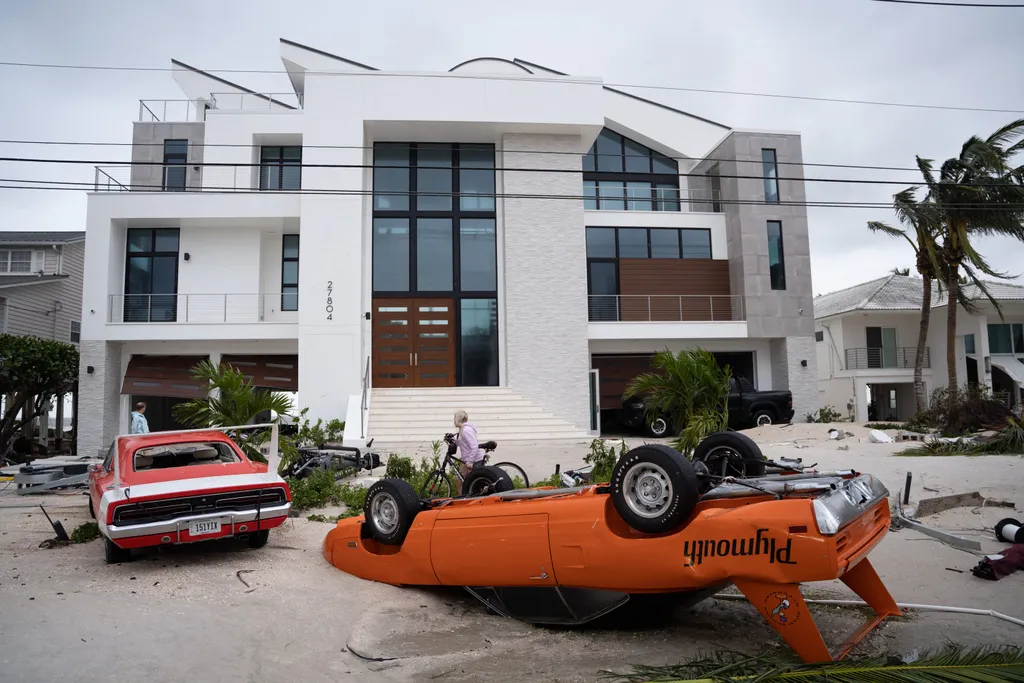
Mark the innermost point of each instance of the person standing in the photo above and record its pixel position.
(470, 453)
(139, 424)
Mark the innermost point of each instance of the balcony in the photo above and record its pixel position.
(222, 309)
(901, 358)
(189, 111)
(158, 177)
(665, 308)
(618, 196)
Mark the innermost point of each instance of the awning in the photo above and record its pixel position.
(1011, 366)
(163, 376)
(266, 371)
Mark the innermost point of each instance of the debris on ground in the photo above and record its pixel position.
(878, 436)
(996, 566)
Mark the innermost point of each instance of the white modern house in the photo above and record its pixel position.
(867, 340)
(500, 237)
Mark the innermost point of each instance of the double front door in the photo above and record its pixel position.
(413, 342)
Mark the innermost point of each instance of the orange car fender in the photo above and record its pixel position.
(407, 564)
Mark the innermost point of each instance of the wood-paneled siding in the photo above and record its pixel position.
(676, 290)
(46, 310)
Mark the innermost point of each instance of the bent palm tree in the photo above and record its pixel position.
(690, 389)
(903, 272)
(233, 402)
(923, 221)
(976, 193)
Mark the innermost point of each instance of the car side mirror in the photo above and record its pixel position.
(95, 468)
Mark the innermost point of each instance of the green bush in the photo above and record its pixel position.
(1008, 441)
(86, 532)
(603, 458)
(883, 425)
(554, 480)
(333, 519)
(827, 414)
(399, 467)
(315, 491)
(974, 410)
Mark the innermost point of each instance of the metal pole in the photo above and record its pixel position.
(225, 308)
(711, 299)
(648, 308)
(680, 308)
(186, 308)
(906, 490)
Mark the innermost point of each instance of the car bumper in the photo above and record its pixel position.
(177, 530)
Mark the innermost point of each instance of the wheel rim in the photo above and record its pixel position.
(648, 490)
(659, 427)
(384, 511)
(764, 420)
(718, 461)
(479, 487)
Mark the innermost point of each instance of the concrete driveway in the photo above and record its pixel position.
(186, 614)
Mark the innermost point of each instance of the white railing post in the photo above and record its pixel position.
(711, 300)
(648, 308)
(225, 308)
(680, 308)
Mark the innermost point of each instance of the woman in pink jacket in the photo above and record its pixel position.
(470, 452)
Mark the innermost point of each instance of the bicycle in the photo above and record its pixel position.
(438, 485)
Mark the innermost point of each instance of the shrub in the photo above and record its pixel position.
(1008, 441)
(333, 519)
(399, 467)
(883, 425)
(974, 410)
(554, 480)
(603, 458)
(315, 491)
(827, 414)
(84, 533)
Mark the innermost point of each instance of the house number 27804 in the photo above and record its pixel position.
(330, 300)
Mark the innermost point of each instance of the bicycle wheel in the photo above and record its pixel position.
(516, 473)
(436, 485)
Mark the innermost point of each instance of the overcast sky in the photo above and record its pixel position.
(853, 49)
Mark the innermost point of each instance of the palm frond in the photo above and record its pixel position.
(952, 664)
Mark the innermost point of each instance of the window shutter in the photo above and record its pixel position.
(38, 261)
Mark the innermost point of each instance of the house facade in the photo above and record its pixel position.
(866, 338)
(41, 284)
(502, 238)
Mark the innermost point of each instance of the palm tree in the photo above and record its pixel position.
(690, 389)
(921, 233)
(976, 193)
(902, 272)
(234, 402)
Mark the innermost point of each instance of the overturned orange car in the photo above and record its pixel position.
(664, 526)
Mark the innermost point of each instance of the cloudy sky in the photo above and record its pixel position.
(850, 49)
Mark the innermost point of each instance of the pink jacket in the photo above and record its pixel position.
(469, 449)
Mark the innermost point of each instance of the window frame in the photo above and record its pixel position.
(173, 161)
(286, 305)
(151, 254)
(782, 257)
(280, 163)
(1013, 346)
(770, 180)
(655, 201)
(75, 336)
(7, 262)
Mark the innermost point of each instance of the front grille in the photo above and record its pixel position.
(164, 510)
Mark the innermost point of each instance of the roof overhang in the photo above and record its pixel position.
(10, 282)
(299, 58)
(1011, 366)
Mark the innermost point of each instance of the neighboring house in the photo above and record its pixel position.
(41, 284)
(867, 341)
(503, 239)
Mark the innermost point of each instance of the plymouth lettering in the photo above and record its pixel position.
(760, 544)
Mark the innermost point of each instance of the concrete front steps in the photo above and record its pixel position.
(424, 415)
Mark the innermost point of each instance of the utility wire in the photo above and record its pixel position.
(228, 165)
(73, 143)
(538, 79)
(951, 4)
(79, 186)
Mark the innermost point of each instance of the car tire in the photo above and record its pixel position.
(484, 481)
(258, 539)
(764, 417)
(654, 488)
(658, 428)
(737, 452)
(113, 553)
(391, 505)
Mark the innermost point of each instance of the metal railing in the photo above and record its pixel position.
(251, 101)
(617, 198)
(202, 308)
(868, 359)
(158, 177)
(177, 111)
(665, 308)
(364, 404)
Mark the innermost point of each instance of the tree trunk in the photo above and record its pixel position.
(952, 288)
(922, 345)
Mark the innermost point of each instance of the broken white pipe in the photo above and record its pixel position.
(904, 605)
(1011, 533)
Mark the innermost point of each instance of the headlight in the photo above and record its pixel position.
(850, 500)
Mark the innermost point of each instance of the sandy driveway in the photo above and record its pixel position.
(184, 613)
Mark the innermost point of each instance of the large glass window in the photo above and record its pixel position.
(290, 273)
(479, 342)
(664, 244)
(434, 255)
(391, 174)
(1006, 338)
(633, 243)
(151, 275)
(477, 255)
(776, 256)
(770, 170)
(601, 243)
(476, 178)
(281, 168)
(175, 160)
(434, 174)
(620, 174)
(391, 254)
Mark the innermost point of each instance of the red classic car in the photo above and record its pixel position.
(167, 488)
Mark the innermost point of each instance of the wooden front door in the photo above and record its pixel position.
(413, 343)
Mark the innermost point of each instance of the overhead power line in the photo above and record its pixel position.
(525, 78)
(79, 186)
(75, 143)
(232, 166)
(952, 4)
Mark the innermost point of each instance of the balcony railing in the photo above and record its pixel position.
(157, 177)
(665, 308)
(186, 111)
(613, 197)
(202, 308)
(870, 359)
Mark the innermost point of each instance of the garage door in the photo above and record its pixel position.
(267, 372)
(617, 370)
(163, 376)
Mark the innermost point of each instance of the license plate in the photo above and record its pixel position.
(204, 527)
